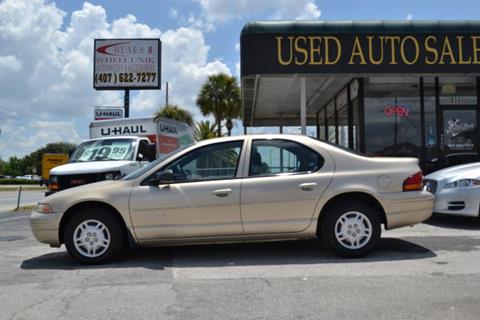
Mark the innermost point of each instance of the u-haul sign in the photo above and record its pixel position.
(108, 113)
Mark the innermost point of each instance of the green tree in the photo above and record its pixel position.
(3, 164)
(220, 97)
(33, 162)
(174, 112)
(204, 130)
(34, 159)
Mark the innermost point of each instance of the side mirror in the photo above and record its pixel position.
(162, 177)
(147, 152)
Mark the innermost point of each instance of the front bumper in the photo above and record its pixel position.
(458, 201)
(45, 227)
(407, 208)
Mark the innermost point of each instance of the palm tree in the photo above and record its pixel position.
(204, 130)
(233, 105)
(174, 112)
(220, 96)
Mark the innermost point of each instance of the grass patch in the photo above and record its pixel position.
(17, 181)
(24, 208)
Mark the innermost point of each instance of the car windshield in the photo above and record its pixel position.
(162, 157)
(105, 150)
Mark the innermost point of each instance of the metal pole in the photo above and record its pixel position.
(303, 106)
(19, 196)
(166, 95)
(127, 103)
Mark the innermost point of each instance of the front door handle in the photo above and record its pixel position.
(222, 192)
(307, 186)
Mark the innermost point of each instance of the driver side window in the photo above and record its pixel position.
(213, 162)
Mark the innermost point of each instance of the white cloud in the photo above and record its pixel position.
(409, 16)
(220, 11)
(46, 91)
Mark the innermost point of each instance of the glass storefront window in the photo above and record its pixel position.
(342, 114)
(321, 125)
(392, 116)
(331, 121)
(457, 91)
(354, 101)
(431, 154)
(458, 120)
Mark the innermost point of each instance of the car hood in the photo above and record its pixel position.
(107, 191)
(464, 171)
(90, 167)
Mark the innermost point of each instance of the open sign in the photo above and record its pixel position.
(401, 111)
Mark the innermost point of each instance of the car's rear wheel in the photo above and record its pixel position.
(94, 236)
(351, 229)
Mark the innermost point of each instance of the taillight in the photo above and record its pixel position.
(414, 182)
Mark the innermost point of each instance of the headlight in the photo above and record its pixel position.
(44, 208)
(464, 183)
(112, 175)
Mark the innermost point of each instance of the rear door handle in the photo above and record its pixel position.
(222, 192)
(307, 186)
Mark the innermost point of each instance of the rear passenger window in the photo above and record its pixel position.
(276, 156)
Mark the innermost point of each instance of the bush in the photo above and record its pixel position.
(18, 181)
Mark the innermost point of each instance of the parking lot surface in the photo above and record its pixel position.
(430, 271)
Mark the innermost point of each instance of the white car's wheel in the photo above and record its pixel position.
(351, 229)
(93, 236)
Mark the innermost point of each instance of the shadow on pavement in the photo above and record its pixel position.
(454, 222)
(156, 259)
(242, 254)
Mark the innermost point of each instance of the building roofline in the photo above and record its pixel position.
(354, 26)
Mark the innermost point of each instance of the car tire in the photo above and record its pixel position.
(351, 229)
(94, 236)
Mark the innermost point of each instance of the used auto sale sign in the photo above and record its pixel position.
(126, 64)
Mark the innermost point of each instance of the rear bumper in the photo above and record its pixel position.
(407, 208)
(45, 227)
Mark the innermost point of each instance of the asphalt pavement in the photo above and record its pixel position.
(430, 271)
(8, 199)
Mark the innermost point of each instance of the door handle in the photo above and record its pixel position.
(222, 192)
(307, 186)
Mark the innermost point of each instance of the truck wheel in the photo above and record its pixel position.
(94, 236)
(351, 229)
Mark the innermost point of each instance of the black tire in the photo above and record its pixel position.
(354, 208)
(115, 233)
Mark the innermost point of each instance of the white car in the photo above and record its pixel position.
(239, 189)
(456, 189)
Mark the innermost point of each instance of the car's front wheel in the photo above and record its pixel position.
(93, 236)
(351, 229)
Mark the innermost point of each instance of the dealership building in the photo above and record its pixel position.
(383, 88)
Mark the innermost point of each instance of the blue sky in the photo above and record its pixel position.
(46, 92)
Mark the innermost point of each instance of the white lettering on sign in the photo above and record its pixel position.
(110, 113)
(166, 128)
(123, 130)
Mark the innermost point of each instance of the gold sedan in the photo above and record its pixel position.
(241, 188)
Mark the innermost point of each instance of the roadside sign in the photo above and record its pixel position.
(126, 64)
(108, 113)
(50, 161)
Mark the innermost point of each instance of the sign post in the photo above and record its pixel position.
(126, 103)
